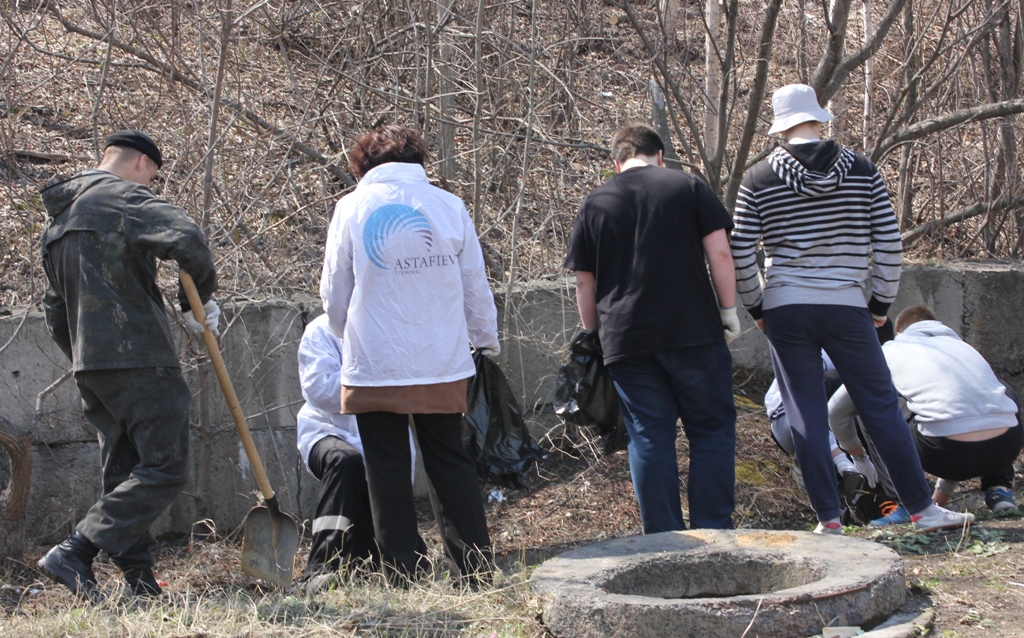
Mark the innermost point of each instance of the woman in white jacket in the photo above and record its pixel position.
(404, 286)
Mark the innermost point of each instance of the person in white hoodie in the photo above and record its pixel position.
(404, 287)
(964, 421)
(329, 444)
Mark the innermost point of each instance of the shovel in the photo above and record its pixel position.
(269, 536)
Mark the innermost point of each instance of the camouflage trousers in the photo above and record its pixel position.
(141, 416)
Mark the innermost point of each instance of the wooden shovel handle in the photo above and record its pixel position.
(225, 385)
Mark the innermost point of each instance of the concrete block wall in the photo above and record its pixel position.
(259, 348)
(982, 301)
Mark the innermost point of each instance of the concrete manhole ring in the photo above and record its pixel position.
(710, 583)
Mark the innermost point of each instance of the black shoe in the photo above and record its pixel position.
(141, 582)
(70, 564)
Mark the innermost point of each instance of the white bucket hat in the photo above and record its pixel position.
(795, 104)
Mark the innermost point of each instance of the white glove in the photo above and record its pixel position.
(212, 320)
(731, 322)
(491, 351)
(867, 468)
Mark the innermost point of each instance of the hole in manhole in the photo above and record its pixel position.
(717, 575)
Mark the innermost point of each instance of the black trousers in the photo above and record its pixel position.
(343, 525)
(451, 481)
(991, 460)
(141, 415)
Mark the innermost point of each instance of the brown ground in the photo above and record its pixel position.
(976, 582)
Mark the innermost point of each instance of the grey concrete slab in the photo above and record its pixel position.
(719, 583)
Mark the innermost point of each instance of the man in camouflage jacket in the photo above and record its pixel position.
(105, 231)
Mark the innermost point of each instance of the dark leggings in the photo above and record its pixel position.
(452, 483)
(798, 333)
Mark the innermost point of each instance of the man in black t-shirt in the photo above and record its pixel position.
(638, 246)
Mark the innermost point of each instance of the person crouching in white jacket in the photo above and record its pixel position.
(404, 286)
(332, 451)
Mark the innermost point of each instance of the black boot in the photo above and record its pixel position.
(70, 564)
(136, 563)
(141, 582)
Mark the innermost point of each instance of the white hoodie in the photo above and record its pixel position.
(320, 377)
(946, 384)
(404, 283)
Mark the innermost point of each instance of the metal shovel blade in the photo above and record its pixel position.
(269, 540)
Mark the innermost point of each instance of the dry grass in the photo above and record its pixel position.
(206, 595)
(576, 497)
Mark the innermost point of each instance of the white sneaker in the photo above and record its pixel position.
(936, 518)
(829, 528)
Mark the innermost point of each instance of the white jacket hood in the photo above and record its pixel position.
(928, 329)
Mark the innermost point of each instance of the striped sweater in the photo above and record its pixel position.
(823, 215)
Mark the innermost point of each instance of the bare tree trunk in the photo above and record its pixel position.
(659, 119)
(527, 150)
(428, 70)
(834, 68)
(446, 105)
(1006, 177)
(838, 19)
(211, 140)
(906, 170)
(802, 66)
(869, 75)
(836, 50)
(757, 93)
(669, 11)
(712, 76)
(905, 194)
(478, 56)
(99, 98)
(17, 442)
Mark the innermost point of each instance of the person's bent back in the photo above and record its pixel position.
(964, 420)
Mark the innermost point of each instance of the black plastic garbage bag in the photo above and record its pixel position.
(493, 431)
(585, 394)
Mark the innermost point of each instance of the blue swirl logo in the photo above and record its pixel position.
(385, 222)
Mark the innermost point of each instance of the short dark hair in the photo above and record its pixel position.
(635, 139)
(912, 315)
(391, 143)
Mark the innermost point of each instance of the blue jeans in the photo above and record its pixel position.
(798, 333)
(692, 383)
